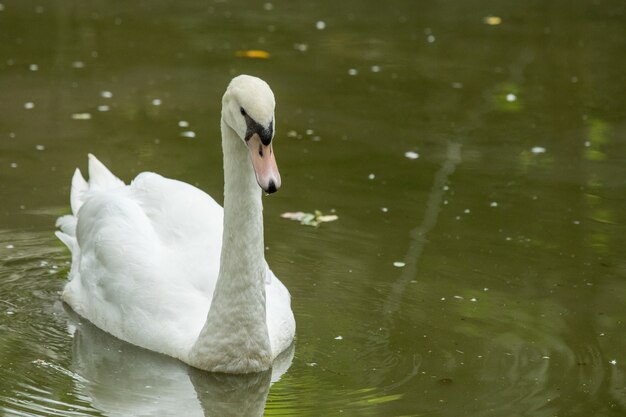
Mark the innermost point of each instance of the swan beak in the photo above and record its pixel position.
(264, 164)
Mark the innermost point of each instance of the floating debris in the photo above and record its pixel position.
(371, 176)
(302, 47)
(78, 64)
(430, 38)
(320, 25)
(188, 134)
(253, 53)
(106, 94)
(399, 264)
(375, 68)
(339, 338)
(353, 72)
(183, 123)
(613, 362)
(538, 149)
(103, 108)
(33, 67)
(511, 97)
(457, 85)
(9, 246)
(310, 219)
(29, 105)
(384, 209)
(13, 164)
(40, 147)
(492, 20)
(81, 116)
(411, 155)
(156, 102)
(493, 204)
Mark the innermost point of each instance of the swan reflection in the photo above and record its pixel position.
(120, 379)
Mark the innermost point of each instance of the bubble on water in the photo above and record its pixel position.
(467, 211)
(78, 64)
(473, 299)
(183, 123)
(538, 149)
(320, 25)
(302, 47)
(587, 143)
(399, 264)
(103, 108)
(494, 204)
(309, 132)
(29, 105)
(430, 38)
(353, 71)
(411, 155)
(511, 97)
(371, 176)
(375, 68)
(188, 134)
(384, 209)
(156, 102)
(40, 147)
(33, 67)
(106, 94)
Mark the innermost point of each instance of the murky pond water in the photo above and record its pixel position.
(474, 152)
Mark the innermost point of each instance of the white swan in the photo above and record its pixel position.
(159, 264)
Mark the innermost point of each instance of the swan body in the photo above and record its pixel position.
(158, 263)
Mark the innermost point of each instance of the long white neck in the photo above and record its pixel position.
(235, 338)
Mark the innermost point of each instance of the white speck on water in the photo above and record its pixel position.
(384, 209)
(545, 357)
(485, 289)
(353, 71)
(103, 108)
(292, 134)
(183, 123)
(508, 238)
(511, 97)
(587, 143)
(302, 47)
(339, 338)
(268, 6)
(10, 312)
(78, 64)
(443, 299)
(371, 176)
(13, 164)
(493, 204)
(316, 138)
(473, 299)
(29, 105)
(375, 68)
(309, 132)
(311, 364)
(40, 147)
(430, 38)
(399, 264)
(320, 25)
(1, 7)
(156, 102)
(445, 202)
(33, 67)
(457, 85)
(411, 155)
(538, 149)
(613, 362)
(458, 297)
(467, 211)
(106, 94)
(188, 134)
(81, 116)
(9, 246)
(446, 188)
(601, 334)
(576, 222)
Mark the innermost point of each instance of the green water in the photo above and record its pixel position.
(508, 229)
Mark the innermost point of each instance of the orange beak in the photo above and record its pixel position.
(264, 164)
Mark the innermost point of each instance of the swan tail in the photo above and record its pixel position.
(77, 193)
(100, 178)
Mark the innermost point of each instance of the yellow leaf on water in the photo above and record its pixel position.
(253, 53)
(492, 20)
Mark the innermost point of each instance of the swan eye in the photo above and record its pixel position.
(243, 112)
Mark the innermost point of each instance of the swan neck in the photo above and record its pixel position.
(235, 337)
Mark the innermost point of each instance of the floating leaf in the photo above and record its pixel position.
(492, 20)
(310, 219)
(253, 53)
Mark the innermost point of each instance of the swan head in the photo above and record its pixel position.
(248, 108)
